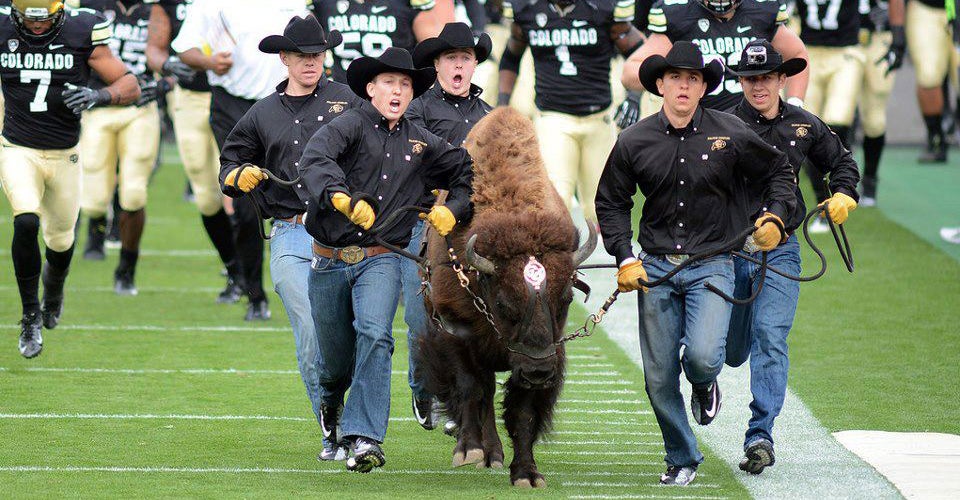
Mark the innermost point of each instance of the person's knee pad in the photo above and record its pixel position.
(26, 225)
(58, 240)
(133, 198)
(209, 201)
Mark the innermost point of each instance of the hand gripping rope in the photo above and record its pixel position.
(256, 207)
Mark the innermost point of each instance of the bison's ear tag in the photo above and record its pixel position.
(534, 273)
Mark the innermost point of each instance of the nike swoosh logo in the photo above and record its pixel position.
(579, 24)
(742, 29)
(377, 10)
(56, 46)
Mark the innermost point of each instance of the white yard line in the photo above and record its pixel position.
(606, 484)
(154, 252)
(142, 289)
(603, 401)
(676, 497)
(161, 328)
(810, 462)
(604, 433)
(618, 442)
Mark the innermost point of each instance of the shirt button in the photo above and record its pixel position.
(678, 247)
(681, 203)
(388, 155)
(296, 164)
(682, 160)
(384, 176)
(681, 224)
(306, 202)
(380, 198)
(360, 234)
(466, 121)
(296, 142)
(681, 183)
(681, 138)
(456, 105)
(296, 121)
(299, 186)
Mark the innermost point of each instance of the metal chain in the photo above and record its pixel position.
(592, 321)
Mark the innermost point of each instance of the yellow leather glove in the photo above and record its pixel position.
(628, 276)
(839, 207)
(249, 178)
(441, 218)
(362, 213)
(768, 233)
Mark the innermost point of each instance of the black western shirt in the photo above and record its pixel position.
(802, 136)
(449, 116)
(273, 135)
(358, 153)
(692, 179)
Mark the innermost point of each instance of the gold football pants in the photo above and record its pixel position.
(930, 44)
(836, 74)
(45, 182)
(127, 136)
(877, 85)
(198, 149)
(575, 149)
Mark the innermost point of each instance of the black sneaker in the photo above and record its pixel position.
(758, 455)
(231, 293)
(31, 335)
(329, 419)
(50, 313)
(679, 476)
(424, 411)
(705, 403)
(258, 310)
(123, 282)
(367, 455)
(934, 153)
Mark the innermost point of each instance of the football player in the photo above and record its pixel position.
(721, 28)
(190, 111)
(929, 40)
(572, 43)
(883, 42)
(48, 56)
(369, 27)
(129, 135)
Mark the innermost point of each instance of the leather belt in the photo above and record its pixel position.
(349, 255)
(296, 219)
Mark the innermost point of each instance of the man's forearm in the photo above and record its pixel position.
(124, 91)
(196, 59)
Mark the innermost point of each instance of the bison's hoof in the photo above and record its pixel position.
(495, 464)
(525, 483)
(472, 456)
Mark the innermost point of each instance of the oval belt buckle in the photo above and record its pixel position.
(677, 259)
(351, 254)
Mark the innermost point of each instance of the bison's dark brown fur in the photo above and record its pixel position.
(517, 214)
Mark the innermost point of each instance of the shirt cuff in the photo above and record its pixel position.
(624, 252)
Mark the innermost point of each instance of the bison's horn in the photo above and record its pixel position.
(583, 252)
(478, 262)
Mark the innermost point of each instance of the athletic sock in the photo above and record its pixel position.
(872, 150)
(128, 261)
(220, 231)
(25, 251)
(131, 228)
(934, 125)
(55, 273)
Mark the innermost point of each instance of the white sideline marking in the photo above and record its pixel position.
(604, 412)
(142, 289)
(604, 433)
(603, 442)
(599, 373)
(602, 391)
(139, 371)
(603, 484)
(147, 416)
(679, 497)
(810, 462)
(154, 252)
(603, 453)
(606, 463)
(595, 365)
(594, 357)
(158, 328)
(603, 401)
(616, 423)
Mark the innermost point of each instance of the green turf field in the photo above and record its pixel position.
(169, 394)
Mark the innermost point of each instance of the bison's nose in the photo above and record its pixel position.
(537, 376)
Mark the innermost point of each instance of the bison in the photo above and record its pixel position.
(522, 251)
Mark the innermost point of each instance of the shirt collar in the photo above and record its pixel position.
(282, 86)
(691, 128)
(474, 93)
(752, 114)
(378, 120)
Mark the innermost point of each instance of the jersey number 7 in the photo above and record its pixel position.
(39, 102)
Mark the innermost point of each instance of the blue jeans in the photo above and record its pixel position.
(682, 312)
(290, 257)
(353, 308)
(414, 312)
(759, 331)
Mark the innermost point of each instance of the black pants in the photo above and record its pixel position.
(225, 111)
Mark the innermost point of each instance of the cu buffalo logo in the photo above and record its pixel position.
(802, 131)
(718, 145)
(417, 148)
(336, 108)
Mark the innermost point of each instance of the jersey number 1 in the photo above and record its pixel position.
(39, 102)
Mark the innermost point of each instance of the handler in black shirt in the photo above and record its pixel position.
(449, 109)
(273, 133)
(690, 163)
(759, 330)
(355, 284)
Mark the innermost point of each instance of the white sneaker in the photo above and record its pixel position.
(819, 226)
(950, 234)
(867, 201)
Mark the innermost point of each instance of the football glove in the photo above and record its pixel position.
(628, 276)
(629, 111)
(250, 176)
(361, 214)
(152, 90)
(839, 207)
(769, 232)
(894, 55)
(441, 218)
(178, 69)
(80, 99)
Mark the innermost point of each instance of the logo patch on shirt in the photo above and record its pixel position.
(541, 19)
(703, 24)
(418, 146)
(13, 44)
(718, 145)
(336, 106)
(802, 131)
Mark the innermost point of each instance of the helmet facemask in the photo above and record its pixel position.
(720, 7)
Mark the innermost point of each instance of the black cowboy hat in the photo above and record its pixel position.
(453, 36)
(683, 55)
(393, 60)
(303, 35)
(759, 58)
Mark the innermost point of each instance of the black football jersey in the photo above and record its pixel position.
(129, 41)
(33, 78)
(176, 11)
(829, 23)
(572, 52)
(368, 28)
(687, 20)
